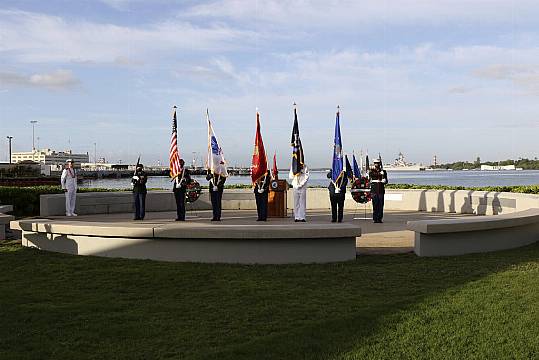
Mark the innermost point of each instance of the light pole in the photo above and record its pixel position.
(95, 154)
(9, 139)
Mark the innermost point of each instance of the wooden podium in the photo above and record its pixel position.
(277, 199)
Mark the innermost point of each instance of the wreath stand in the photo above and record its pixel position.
(361, 194)
(195, 189)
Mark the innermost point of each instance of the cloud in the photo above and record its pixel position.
(59, 79)
(523, 76)
(37, 38)
(361, 14)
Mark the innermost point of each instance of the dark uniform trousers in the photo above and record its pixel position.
(179, 195)
(262, 204)
(216, 197)
(140, 205)
(337, 205)
(377, 207)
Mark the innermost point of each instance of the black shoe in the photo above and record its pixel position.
(333, 220)
(179, 220)
(303, 220)
(136, 218)
(214, 219)
(296, 220)
(340, 220)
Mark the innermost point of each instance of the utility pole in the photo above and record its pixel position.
(9, 139)
(95, 153)
(33, 122)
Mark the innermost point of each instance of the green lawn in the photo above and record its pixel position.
(393, 307)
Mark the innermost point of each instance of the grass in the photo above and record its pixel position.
(483, 306)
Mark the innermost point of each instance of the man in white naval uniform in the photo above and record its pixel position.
(299, 183)
(69, 185)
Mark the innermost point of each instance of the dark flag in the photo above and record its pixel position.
(348, 171)
(367, 166)
(298, 159)
(357, 171)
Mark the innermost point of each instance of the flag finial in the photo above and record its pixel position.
(175, 107)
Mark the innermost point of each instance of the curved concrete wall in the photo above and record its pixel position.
(451, 201)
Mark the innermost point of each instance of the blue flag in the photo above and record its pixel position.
(337, 168)
(357, 171)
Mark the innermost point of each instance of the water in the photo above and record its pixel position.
(318, 178)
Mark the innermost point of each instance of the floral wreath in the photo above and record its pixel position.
(192, 191)
(361, 190)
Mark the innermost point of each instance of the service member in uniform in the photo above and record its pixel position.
(378, 179)
(299, 183)
(69, 185)
(179, 187)
(337, 197)
(139, 192)
(217, 185)
(261, 195)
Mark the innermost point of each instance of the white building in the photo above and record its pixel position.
(503, 167)
(49, 157)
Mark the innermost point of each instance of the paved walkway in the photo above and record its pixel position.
(391, 237)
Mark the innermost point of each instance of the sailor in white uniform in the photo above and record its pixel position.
(299, 183)
(69, 185)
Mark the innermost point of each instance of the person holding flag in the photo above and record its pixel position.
(216, 171)
(299, 173)
(179, 174)
(260, 174)
(139, 190)
(378, 178)
(338, 176)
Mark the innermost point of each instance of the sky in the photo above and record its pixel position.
(452, 78)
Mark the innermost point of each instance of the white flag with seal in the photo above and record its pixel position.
(216, 159)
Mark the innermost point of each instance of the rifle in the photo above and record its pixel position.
(135, 172)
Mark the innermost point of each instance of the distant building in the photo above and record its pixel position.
(49, 157)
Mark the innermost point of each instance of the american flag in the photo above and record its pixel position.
(174, 155)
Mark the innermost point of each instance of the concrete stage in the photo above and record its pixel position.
(391, 237)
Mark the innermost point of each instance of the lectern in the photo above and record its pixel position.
(277, 198)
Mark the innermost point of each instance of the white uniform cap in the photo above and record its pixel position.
(69, 161)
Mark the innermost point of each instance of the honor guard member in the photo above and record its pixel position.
(179, 188)
(139, 192)
(217, 184)
(261, 195)
(299, 183)
(378, 179)
(337, 197)
(69, 185)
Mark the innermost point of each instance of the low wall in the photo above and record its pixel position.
(195, 242)
(475, 234)
(450, 201)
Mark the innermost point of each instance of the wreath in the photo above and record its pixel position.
(192, 191)
(361, 192)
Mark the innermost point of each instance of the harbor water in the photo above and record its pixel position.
(471, 178)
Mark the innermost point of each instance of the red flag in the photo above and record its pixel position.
(275, 171)
(174, 156)
(260, 162)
